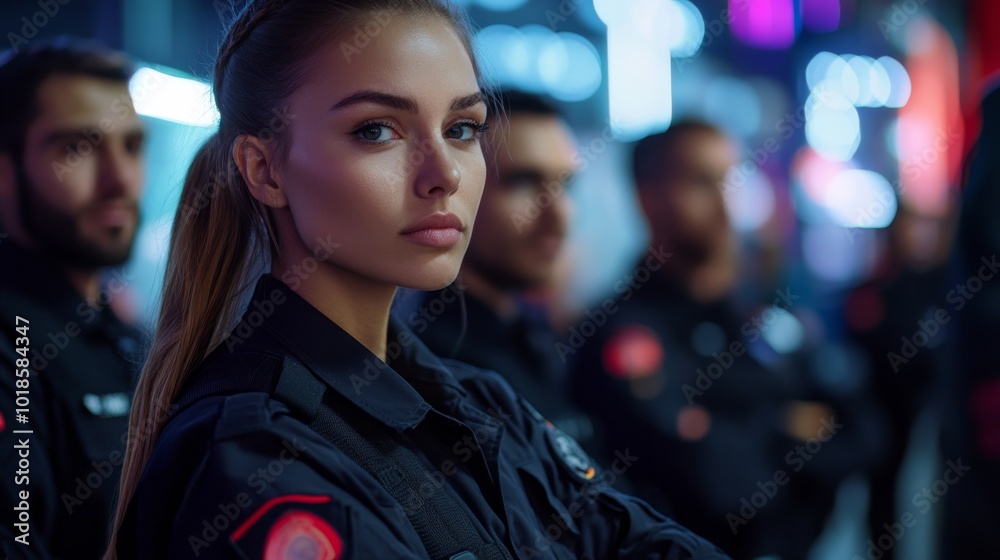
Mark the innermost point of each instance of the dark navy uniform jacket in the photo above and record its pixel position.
(708, 429)
(241, 476)
(522, 349)
(82, 364)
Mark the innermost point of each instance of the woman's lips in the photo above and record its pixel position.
(442, 238)
(441, 230)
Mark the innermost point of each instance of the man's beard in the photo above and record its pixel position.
(57, 234)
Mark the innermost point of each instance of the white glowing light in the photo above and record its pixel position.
(899, 78)
(864, 81)
(173, 98)
(571, 68)
(816, 70)
(857, 198)
(685, 28)
(833, 127)
(881, 84)
(861, 67)
(639, 82)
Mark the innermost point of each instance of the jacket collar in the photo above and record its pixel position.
(345, 365)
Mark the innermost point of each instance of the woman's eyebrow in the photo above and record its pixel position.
(401, 102)
(468, 101)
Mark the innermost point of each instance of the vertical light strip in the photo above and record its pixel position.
(639, 83)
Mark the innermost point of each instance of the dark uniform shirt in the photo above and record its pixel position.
(521, 348)
(240, 476)
(82, 365)
(672, 380)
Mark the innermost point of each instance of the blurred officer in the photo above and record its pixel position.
(971, 427)
(519, 230)
(673, 373)
(895, 318)
(71, 170)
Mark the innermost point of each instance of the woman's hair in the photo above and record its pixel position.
(221, 234)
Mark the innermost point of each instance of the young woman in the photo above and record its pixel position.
(348, 160)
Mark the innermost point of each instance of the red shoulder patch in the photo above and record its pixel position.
(291, 527)
(302, 535)
(634, 351)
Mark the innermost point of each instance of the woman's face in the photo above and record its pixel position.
(383, 159)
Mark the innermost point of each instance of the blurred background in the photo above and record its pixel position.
(833, 200)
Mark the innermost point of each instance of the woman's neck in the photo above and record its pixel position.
(355, 304)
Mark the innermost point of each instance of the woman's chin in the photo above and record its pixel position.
(431, 280)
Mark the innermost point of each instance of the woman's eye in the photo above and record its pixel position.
(375, 133)
(464, 131)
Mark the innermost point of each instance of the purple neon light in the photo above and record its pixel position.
(821, 16)
(764, 23)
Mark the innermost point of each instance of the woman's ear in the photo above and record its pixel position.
(254, 157)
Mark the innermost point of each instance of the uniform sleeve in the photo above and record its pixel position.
(276, 493)
(603, 522)
(26, 466)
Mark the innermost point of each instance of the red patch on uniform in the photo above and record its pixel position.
(302, 535)
(3, 423)
(273, 503)
(634, 351)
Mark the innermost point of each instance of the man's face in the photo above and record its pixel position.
(524, 214)
(81, 173)
(687, 208)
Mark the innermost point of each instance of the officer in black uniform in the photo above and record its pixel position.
(971, 395)
(674, 377)
(884, 315)
(292, 437)
(318, 427)
(491, 324)
(71, 161)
